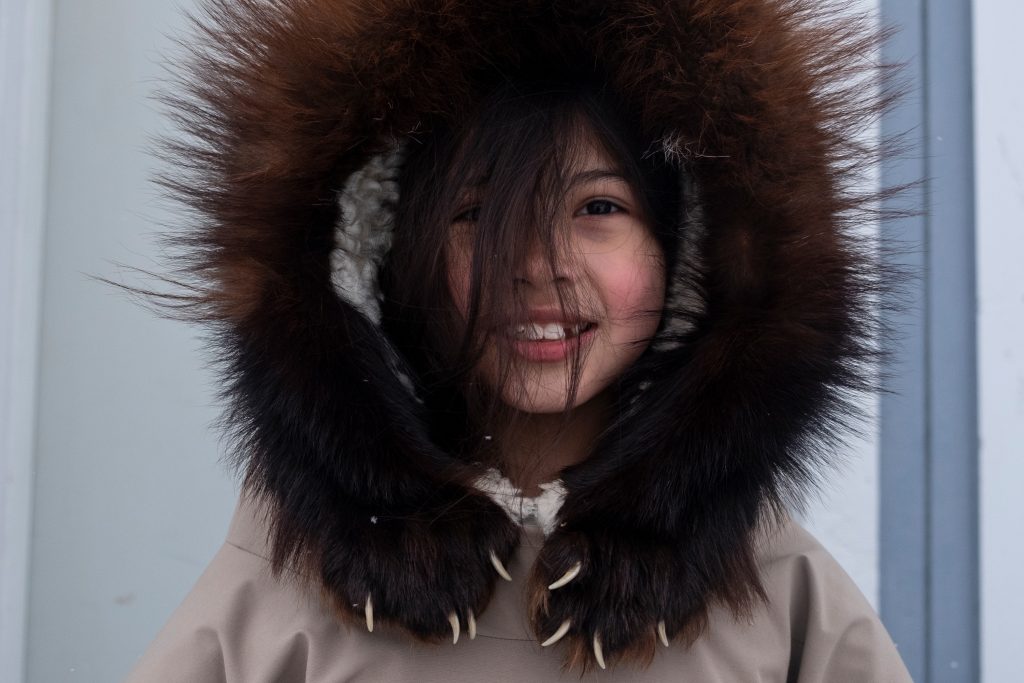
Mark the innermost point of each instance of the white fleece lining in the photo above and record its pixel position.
(542, 509)
(362, 235)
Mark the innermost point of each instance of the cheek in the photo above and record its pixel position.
(633, 290)
(458, 279)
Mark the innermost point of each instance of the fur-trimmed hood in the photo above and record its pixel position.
(295, 112)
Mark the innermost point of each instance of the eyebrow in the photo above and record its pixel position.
(589, 176)
(595, 174)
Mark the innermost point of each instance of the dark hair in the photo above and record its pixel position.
(517, 146)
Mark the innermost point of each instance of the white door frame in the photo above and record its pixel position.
(25, 48)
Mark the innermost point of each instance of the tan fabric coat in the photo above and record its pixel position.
(241, 625)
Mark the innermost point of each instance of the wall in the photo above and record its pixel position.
(24, 91)
(999, 163)
(130, 501)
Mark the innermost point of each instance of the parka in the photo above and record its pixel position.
(240, 623)
(364, 550)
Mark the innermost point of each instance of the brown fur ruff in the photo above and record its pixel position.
(762, 101)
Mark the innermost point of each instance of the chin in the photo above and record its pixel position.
(543, 401)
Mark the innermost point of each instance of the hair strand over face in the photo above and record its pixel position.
(512, 162)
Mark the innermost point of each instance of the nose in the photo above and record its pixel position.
(538, 270)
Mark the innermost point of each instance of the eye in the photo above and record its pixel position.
(600, 207)
(470, 215)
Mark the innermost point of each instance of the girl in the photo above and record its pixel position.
(534, 319)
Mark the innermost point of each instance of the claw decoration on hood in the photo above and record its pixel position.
(295, 112)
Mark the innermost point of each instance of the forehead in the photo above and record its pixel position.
(583, 159)
(589, 154)
(594, 164)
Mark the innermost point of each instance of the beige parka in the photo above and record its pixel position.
(241, 624)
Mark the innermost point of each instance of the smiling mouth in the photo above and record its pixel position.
(548, 331)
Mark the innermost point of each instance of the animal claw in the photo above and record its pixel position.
(557, 634)
(500, 567)
(662, 635)
(567, 577)
(598, 654)
(454, 621)
(472, 626)
(369, 613)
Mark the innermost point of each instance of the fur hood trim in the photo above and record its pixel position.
(293, 112)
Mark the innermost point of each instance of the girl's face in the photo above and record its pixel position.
(610, 263)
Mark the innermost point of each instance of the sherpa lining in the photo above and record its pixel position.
(541, 510)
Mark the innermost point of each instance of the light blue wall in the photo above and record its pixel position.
(24, 96)
(999, 188)
(130, 502)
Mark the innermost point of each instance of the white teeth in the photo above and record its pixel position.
(531, 332)
(548, 332)
(554, 331)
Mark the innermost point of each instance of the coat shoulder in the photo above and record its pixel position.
(835, 633)
(239, 622)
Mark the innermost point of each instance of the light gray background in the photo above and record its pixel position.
(999, 187)
(128, 501)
